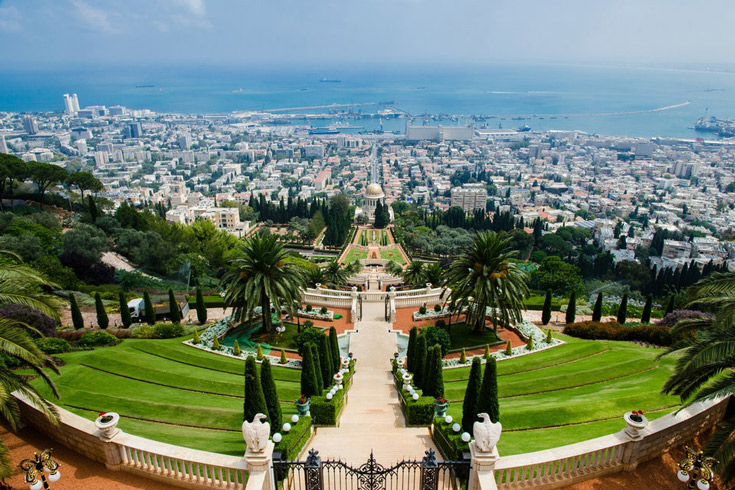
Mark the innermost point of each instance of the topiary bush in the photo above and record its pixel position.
(437, 336)
(651, 334)
(323, 310)
(309, 335)
(294, 440)
(52, 345)
(422, 310)
(437, 308)
(309, 308)
(167, 330)
(98, 338)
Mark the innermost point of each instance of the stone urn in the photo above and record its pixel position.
(407, 378)
(338, 380)
(440, 407)
(345, 363)
(106, 423)
(636, 423)
(400, 363)
(303, 406)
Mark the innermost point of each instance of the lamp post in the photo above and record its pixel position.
(696, 469)
(35, 469)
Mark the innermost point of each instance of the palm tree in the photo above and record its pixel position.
(413, 275)
(333, 275)
(434, 274)
(483, 277)
(20, 284)
(705, 368)
(263, 275)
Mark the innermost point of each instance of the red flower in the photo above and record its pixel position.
(102, 414)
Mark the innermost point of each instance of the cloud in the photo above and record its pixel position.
(10, 19)
(194, 7)
(94, 17)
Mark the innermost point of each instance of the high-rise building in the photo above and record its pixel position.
(184, 142)
(469, 198)
(69, 105)
(3, 145)
(82, 147)
(135, 130)
(29, 124)
(75, 103)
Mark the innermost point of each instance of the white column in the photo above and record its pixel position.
(260, 468)
(482, 468)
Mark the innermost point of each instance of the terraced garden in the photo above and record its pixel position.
(571, 393)
(166, 391)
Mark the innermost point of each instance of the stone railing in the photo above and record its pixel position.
(174, 465)
(328, 297)
(419, 297)
(566, 465)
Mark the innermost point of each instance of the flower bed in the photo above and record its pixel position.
(430, 314)
(651, 334)
(315, 314)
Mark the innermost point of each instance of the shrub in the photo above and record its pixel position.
(437, 336)
(435, 381)
(463, 357)
(549, 338)
(437, 308)
(76, 315)
(334, 348)
(52, 345)
(529, 343)
(471, 396)
(508, 349)
(308, 335)
(418, 369)
(43, 323)
(488, 399)
(215, 344)
(167, 330)
(259, 352)
(308, 373)
(646, 315)
(284, 359)
(236, 349)
(449, 442)
(271, 396)
(308, 324)
(651, 334)
(143, 332)
(325, 357)
(675, 316)
(196, 339)
(323, 310)
(317, 368)
(102, 319)
(293, 441)
(309, 308)
(441, 324)
(173, 306)
(254, 399)
(422, 310)
(487, 351)
(98, 338)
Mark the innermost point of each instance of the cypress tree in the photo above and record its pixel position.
(670, 306)
(411, 349)
(436, 382)
(196, 339)
(76, 316)
(646, 315)
(508, 350)
(93, 213)
(201, 307)
(271, 396)
(488, 399)
(418, 370)
(623, 310)
(334, 344)
(571, 308)
(546, 313)
(254, 399)
(471, 396)
(487, 352)
(326, 360)
(308, 374)
(174, 312)
(124, 311)
(317, 369)
(597, 311)
(102, 320)
(150, 313)
(215, 344)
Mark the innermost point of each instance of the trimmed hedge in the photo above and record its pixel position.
(53, 345)
(292, 443)
(651, 334)
(450, 443)
(418, 412)
(98, 338)
(209, 301)
(326, 412)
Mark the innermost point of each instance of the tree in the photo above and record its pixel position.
(173, 305)
(325, 357)
(646, 315)
(84, 181)
(150, 312)
(263, 275)
(201, 308)
(623, 309)
(76, 316)
(308, 374)
(17, 171)
(102, 320)
(317, 368)
(670, 304)
(254, 399)
(597, 311)
(334, 349)
(271, 396)
(45, 175)
(418, 369)
(488, 400)
(125, 317)
(413, 275)
(472, 396)
(705, 367)
(435, 380)
(557, 275)
(483, 277)
(411, 349)
(93, 213)
(571, 308)
(546, 313)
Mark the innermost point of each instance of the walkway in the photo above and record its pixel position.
(372, 419)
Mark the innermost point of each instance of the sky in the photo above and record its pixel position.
(279, 32)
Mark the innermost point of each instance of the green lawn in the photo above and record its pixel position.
(392, 254)
(571, 393)
(463, 336)
(165, 391)
(354, 255)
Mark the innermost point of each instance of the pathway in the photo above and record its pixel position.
(372, 419)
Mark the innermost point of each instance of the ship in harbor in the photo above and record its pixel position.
(721, 127)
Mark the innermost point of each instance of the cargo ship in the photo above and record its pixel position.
(721, 127)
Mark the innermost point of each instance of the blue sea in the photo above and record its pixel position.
(595, 99)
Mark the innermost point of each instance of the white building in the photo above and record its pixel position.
(3, 145)
(373, 194)
(69, 105)
(469, 198)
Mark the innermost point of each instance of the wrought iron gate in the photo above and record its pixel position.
(315, 474)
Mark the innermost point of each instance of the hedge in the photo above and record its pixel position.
(417, 412)
(326, 412)
(293, 442)
(209, 301)
(450, 443)
(651, 334)
(98, 338)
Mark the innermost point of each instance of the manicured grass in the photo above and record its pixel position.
(463, 336)
(354, 255)
(392, 254)
(571, 393)
(166, 391)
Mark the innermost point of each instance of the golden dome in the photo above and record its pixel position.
(374, 190)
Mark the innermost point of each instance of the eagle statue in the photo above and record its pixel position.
(256, 433)
(486, 433)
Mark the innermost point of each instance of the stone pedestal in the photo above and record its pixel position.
(260, 468)
(482, 469)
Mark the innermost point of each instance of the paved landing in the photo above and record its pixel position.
(372, 418)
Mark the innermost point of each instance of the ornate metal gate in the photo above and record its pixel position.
(315, 474)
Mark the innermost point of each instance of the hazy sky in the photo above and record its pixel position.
(72, 32)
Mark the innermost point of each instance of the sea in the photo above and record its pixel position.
(609, 100)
